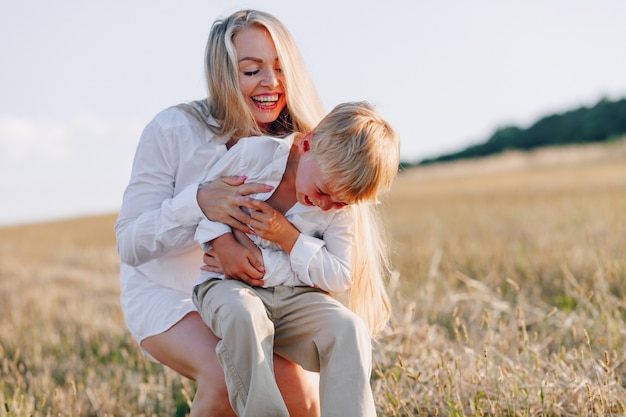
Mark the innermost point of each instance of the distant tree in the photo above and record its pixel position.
(604, 121)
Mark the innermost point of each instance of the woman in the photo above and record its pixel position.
(257, 85)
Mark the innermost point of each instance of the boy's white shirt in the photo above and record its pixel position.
(322, 254)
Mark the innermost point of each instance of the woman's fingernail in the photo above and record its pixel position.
(269, 187)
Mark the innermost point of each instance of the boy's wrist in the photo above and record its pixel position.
(289, 240)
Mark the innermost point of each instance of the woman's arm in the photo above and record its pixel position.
(154, 218)
(163, 202)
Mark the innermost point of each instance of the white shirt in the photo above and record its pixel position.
(322, 253)
(159, 259)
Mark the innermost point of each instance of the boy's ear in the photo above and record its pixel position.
(305, 145)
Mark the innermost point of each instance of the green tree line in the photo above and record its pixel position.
(604, 121)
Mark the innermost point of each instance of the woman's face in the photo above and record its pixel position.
(260, 76)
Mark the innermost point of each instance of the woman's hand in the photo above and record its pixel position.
(247, 243)
(270, 224)
(235, 260)
(221, 201)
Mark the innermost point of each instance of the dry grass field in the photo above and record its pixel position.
(509, 298)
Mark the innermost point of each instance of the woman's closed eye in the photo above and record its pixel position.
(251, 73)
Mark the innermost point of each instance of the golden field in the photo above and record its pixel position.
(509, 299)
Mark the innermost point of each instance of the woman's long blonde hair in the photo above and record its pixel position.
(225, 101)
(359, 154)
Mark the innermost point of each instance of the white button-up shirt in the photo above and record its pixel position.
(160, 213)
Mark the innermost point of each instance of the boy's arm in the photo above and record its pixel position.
(326, 262)
(321, 262)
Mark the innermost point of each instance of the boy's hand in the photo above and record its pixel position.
(247, 243)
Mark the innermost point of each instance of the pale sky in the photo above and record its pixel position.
(79, 80)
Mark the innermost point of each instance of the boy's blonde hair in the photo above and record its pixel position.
(225, 100)
(358, 153)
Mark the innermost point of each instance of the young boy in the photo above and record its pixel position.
(307, 231)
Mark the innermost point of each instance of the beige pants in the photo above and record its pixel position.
(301, 324)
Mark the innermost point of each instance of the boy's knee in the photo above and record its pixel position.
(351, 329)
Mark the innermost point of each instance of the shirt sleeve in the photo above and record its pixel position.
(152, 219)
(326, 262)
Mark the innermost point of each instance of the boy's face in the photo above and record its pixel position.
(311, 189)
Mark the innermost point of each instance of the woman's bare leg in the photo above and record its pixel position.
(189, 349)
(299, 388)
